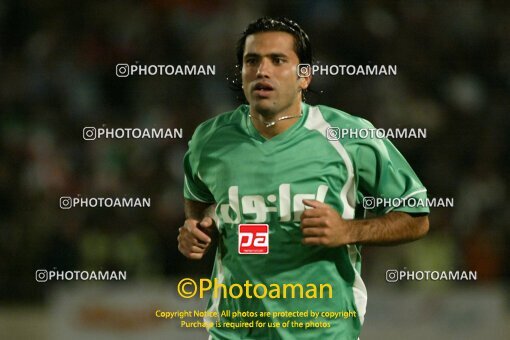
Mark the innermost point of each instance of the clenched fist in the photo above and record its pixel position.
(323, 226)
(195, 237)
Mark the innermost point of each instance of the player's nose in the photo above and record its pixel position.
(264, 68)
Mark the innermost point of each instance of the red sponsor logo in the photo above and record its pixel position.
(253, 238)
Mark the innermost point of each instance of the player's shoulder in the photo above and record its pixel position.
(339, 118)
(215, 124)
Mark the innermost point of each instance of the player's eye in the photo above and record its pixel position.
(278, 60)
(250, 61)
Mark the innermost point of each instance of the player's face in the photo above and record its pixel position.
(270, 81)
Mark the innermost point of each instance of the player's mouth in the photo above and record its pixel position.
(263, 89)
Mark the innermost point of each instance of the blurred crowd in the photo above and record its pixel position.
(58, 76)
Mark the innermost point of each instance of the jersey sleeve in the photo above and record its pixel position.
(194, 188)
(386, 181)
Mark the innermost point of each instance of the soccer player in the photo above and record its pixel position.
(273, 163)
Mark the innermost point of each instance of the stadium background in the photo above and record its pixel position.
(57, 62)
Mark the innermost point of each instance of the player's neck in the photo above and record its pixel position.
(272, 125)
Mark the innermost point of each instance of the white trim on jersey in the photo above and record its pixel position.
(191, 192)
(359, 290)
(221, 279)
(406, 197)
(315, 121)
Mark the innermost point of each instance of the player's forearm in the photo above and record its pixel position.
(197, 210)
(392, 228)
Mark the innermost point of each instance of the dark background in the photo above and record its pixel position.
(57, 62)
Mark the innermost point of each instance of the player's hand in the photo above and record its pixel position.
(195, 237)
(323, 226)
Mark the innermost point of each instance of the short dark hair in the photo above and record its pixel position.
(302, 44)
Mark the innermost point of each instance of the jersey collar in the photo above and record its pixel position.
(254, 133)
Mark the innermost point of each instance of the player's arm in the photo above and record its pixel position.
(323, 225)
(380, 170)
(199, 230)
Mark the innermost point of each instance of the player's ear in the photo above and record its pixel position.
(304, 82)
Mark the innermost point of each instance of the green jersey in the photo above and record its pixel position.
(259, 184)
